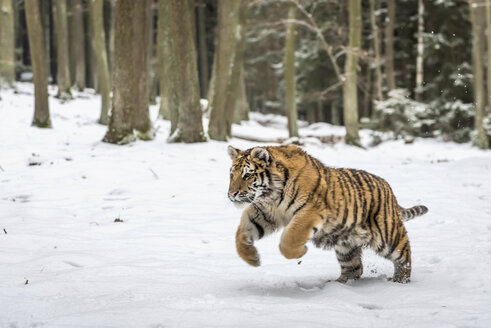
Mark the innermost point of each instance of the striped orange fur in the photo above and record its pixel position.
(344, 209)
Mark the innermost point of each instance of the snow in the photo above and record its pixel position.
(64, 262)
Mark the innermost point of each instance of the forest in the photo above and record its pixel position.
(411, 68)
(119, 121)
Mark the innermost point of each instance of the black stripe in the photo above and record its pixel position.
(402, 252)
(293, 198)
(348, 256)
(260, 229)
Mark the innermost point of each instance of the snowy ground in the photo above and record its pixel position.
(64, 262)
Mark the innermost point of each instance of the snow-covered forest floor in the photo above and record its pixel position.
(65, 262)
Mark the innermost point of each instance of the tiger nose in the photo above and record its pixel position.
(233, 193)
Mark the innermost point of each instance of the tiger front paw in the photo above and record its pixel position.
(293, 252)
(247, 251)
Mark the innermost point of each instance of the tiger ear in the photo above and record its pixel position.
(232, 152)
(261, 154)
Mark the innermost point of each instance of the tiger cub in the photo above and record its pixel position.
(344, 209)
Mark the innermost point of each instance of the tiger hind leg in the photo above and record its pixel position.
(400, 254)
(349, 257)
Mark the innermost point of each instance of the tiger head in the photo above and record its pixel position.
(250, 176)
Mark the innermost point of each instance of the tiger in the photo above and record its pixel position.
(344, 209)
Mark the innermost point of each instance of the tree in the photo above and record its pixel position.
(63, 76)
(350, 95)
(203, 50)
(221, 116)
(290, 85)
(36, 46)
(376, 47)
(181, 72)
(120, 129)
(420, 50)
(477, 64)
(78, 35)
(488, 34)
(7, 44)
(96, 15)
(163, 60)
(389, 44)
(141, 116)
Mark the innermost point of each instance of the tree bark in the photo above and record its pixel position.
(97, 16)
(420, 52)
(241, 111)
(221, 117)
(389, 44)
(163, 60)
(141, 116)
(78, 43)
(45, 10)
(7, 44)
(149, 37)
(111, 36)
(477, 64)
(63, 76)
(488, 35)
(120, 129)
(203, 50)
(36, 46)
(182, 75)
(376, 48)
(290, 83)
(350, 95)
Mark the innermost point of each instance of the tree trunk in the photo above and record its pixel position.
(111, 36)
(36, 46)
(78, 43)
(488, 25)
(163, 60)
(290, 83)
(389, 44)
(477, 63)
(350, 95)
(182, 75)
(63, 76)
(420, 50)
(7, 44)
(97, 16)
(367, 101)
(376, 48)
(120, 129)
(221, 116)
(203, 50)
(241, 111)
(45, 9)
(335, 114)
(151, 76)
(141, 116)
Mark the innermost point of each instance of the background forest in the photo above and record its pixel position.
(413, 68)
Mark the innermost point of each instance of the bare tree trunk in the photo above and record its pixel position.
(182, 75)
(203, 50)
(241, 111)
(36, 46)
(350, 95)
(111, 35)
(221, 117)
(45, 9)
(367, 101)
(7, 44)
(151, 66)
(376, 48)
(290, 82)
(120, 129)
(97, 17)
(477, 63)
(389, 44)
(141, 116)
(163, 60)
(63, 77)
(335, 114)
(488, 25)
(420, 50)
(78, 43)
